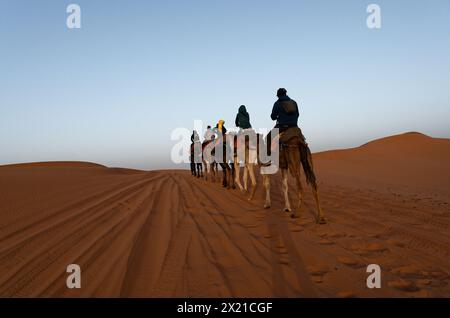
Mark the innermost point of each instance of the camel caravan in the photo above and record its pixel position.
(284, 148)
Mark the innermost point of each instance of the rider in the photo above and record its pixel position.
(243, 122)
(285, 111)
(243, 118)
(195, 137)
(220, 129)
(209, 134)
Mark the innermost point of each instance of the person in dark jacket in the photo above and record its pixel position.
(195, 137)
(243, 118)
(285, 110)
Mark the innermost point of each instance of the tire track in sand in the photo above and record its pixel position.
(47, 259)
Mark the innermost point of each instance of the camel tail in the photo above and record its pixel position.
(307, 164)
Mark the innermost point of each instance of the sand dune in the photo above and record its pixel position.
(165, 234)
(410, 161)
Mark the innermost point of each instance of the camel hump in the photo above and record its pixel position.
(292, 136)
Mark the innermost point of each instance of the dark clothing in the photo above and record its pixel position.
(285, 112)
(195, 137)
(243, 118)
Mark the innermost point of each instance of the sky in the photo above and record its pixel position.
(113, 91)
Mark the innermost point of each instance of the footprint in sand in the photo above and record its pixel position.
(346, 294)
(337, 235)
(368, 248)
(376, 247)
(404, 285)
(424, 282)
(325, 242)
(409, 271)
(352, 262)
(282, 250)
(423, 294)
(280, 246)
(396, 243)
(318, 270)
(318, 279)
(436, 274)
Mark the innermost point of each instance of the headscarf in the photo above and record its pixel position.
(220, 124)
(243, 111)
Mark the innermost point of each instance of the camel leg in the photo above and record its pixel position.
(285, 189)
(266, 182)
(245, 178)
(238, 176)
(217, 171)
(251, 172)
(228, 176)
(298, 181)
(207, 170)
(224, 175)
(294, 166)
(213, 172)
(232, 176)
(320, 217)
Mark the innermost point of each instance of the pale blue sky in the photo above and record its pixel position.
(113, 91)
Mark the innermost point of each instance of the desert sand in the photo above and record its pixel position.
(168, 234)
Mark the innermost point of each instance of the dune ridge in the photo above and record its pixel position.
(54, 164)
(409, 162)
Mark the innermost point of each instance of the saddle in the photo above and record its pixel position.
(286, 138)
(291, 137)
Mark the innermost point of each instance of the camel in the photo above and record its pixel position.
(208, 160)
(209, 157)
(249, 161)
(228, 168)
(195, 158)
(294, 154)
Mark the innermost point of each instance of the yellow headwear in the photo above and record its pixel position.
(220, 124)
